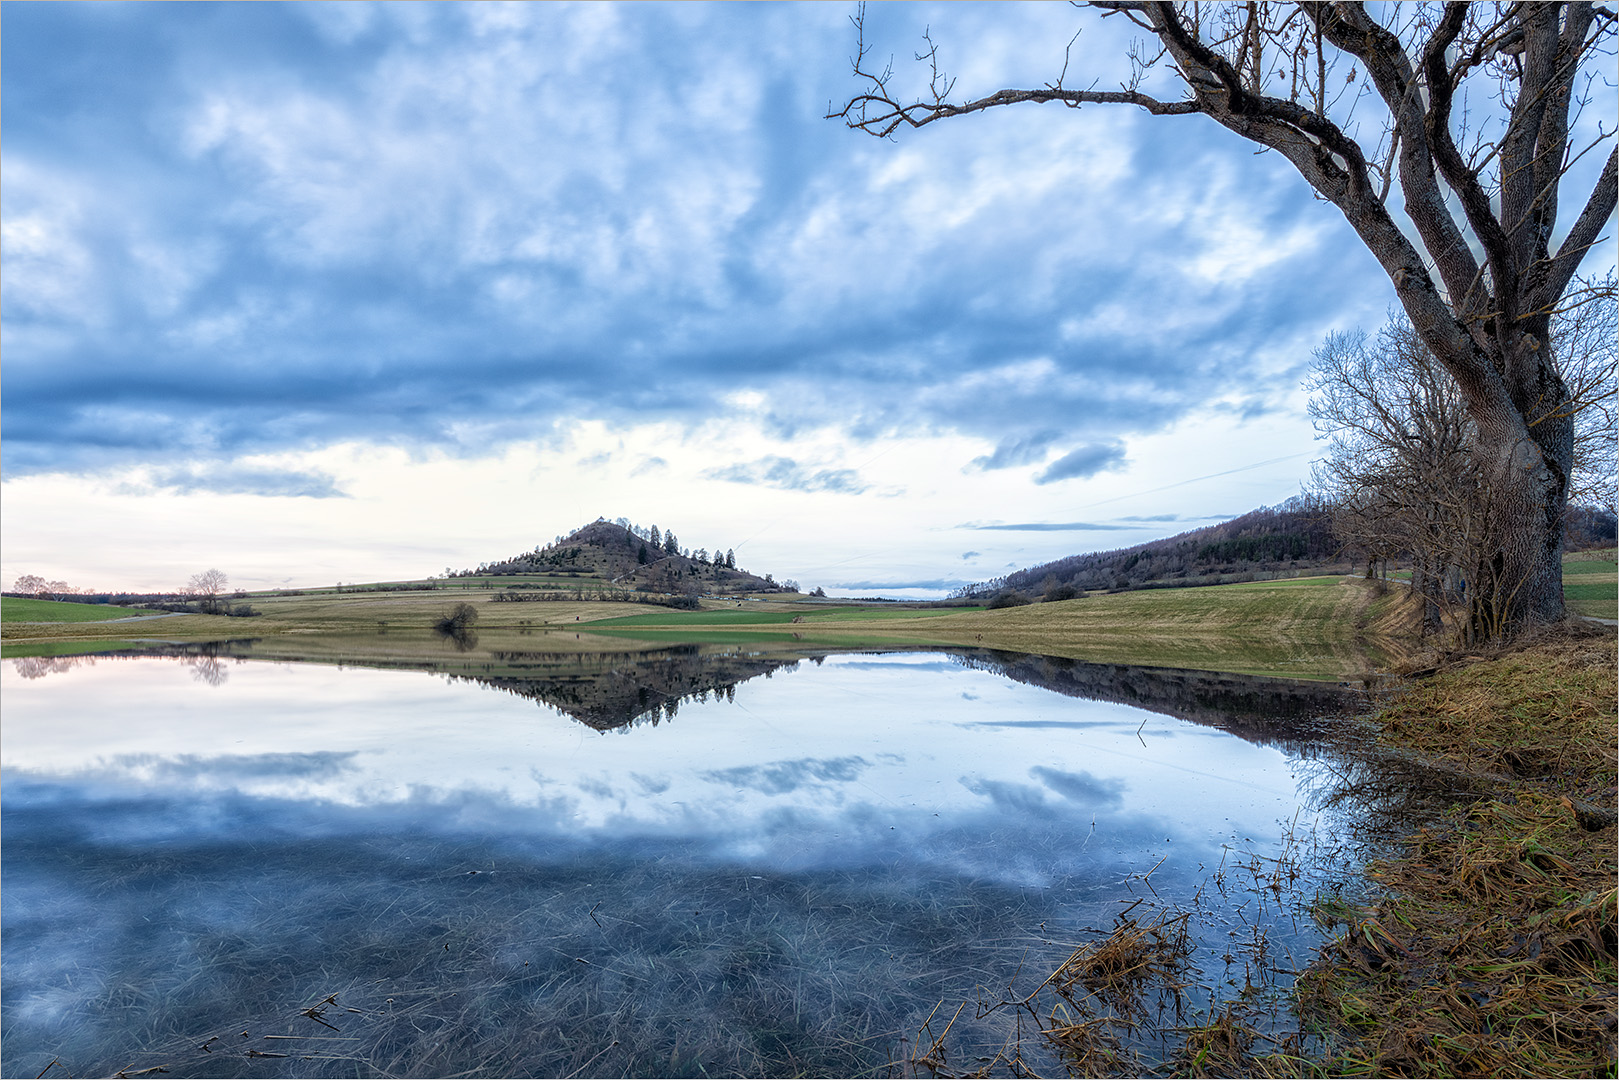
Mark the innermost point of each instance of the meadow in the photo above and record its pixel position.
(27, 609)
(1319, 628)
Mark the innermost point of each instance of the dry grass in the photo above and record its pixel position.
(1491, 951)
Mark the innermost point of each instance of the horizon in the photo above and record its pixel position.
(339, 293)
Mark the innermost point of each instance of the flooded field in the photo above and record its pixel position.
(698, 861)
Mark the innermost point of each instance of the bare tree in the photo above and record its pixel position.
(207, 586)
(1400, 472)
(1480, 291)
(31, 585)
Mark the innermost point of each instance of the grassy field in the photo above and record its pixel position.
(1314, 628)
(1591, 583)
(1308, 628)
(23, 609)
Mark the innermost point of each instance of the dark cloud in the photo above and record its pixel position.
(788, 475)
(1084, 462)
(239, 230)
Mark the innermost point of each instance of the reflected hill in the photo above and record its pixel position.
(1267, 711)
(617, 692)
(609, 691)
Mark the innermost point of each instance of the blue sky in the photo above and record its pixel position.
(345, 292)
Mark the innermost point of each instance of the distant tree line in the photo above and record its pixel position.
(529, 594)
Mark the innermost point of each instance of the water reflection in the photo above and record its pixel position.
(784, 880)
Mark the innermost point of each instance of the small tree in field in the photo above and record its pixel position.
(207, 586)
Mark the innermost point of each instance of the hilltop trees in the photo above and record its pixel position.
(1465, 127)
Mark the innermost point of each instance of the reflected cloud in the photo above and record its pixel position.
(1008, 795)
(783, 777)
(229, 770)
(1081, 787)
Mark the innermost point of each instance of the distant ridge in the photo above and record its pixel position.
(1292, 539)
(1272, 541)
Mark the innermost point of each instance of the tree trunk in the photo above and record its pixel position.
(1526, 473)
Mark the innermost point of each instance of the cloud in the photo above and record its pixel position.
(929, 584)
(649, 465)
(1084, 462)
(970, 555)
(788, 475)
(1047, 526)
(232, 479)
(1016, 451)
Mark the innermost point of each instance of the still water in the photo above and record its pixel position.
(694, 862)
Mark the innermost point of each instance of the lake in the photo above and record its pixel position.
(702, 860)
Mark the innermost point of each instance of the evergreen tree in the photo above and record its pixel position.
(671, 546)
(641, 558)
(655, 539)
(730, 559)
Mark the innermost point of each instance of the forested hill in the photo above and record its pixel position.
(1267, 542)
(629, 556)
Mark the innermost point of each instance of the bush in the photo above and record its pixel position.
(1009, 598)
(460, 618)
(1065, 591)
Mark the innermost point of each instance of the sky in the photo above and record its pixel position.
(351, 292)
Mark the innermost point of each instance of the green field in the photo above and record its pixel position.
(1308, 628)
(750, 616)
(23, 609)
(1314, 628)
(1591, 583)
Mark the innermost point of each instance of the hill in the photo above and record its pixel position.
(625, 556)
(1289, 540)
(1270, 542)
